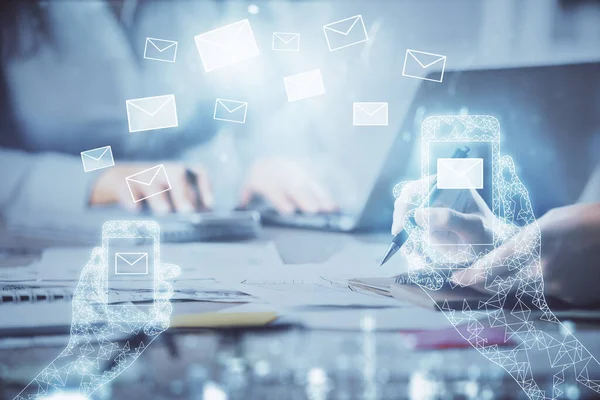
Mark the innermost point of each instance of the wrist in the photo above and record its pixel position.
(63, 374)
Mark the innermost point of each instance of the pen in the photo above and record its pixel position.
(401, 237)
(192, 180)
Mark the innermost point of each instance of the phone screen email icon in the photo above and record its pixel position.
(131, 263)
(460, 173)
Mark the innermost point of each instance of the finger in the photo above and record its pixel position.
(326, 203)
(159, 203)
(516, 204)
(416, 236)
(88, 287)
(164, 291)
(445, 238)
(497, 263)
(281, 202)
(303, 199)
(91, 291)
(168, 271)
(408, 195)
(480, 273)
(469, 227)
(409, 223)
(179, 194)
(413, 192)
(160, 315)
(246, 196)
(400, 210)
(204, 186)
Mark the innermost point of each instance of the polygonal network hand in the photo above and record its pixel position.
(509, 273)
(101, 335)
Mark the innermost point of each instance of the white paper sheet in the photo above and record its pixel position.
(195, 259)
(307, 291)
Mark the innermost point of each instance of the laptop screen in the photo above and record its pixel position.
(548, 120)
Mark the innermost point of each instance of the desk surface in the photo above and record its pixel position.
(293, 363)
(299, 246)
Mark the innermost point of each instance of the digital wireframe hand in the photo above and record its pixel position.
(98, 335)
(510, 274)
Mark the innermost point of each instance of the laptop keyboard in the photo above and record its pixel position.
(334, 221)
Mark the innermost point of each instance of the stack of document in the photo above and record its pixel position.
(59, 270)
(226, 273)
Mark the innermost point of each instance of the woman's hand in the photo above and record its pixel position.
(570, 250)
(287, 186)
(111, 188)
(456, 217)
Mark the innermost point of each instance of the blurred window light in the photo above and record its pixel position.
(317, 376)
(212, 391)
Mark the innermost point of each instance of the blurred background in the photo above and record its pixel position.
(67, 68)
(66, 93)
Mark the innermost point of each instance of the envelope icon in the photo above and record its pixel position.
(286, 41)
(346, 32)
(424, 66)
(150, 113)
(304, 85)
(370, 114)
(99, 158)
(227, 45)
(230, 110)
(160, 50)
(131, 263)
(460, 173)
(148, 183)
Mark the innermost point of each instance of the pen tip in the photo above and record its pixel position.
(390, 252)
(386, 258)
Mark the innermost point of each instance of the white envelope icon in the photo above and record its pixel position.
(150, 113)
(370, 114)
(460, 173)
(286, 41)
(160, 50)
(155, 178)
(131, 263)
(99, 158)
(230, 110)
(227, 45)
(424, 66)
(346, 32)
(304, 85)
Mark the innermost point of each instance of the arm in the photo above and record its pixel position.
(41, 191)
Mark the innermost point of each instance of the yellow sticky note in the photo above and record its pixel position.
(217, 320)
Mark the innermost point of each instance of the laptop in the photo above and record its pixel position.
(540, 109)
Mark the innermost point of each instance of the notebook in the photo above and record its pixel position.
(15, 293)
